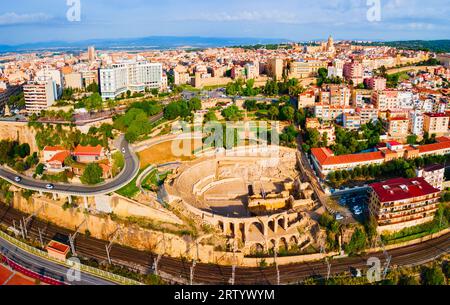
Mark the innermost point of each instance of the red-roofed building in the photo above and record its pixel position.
(50, 151)
(57, 250)
(88, 154)
(325, 161)
(400, 203)
(56, 163)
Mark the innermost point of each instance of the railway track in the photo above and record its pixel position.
(179, 270)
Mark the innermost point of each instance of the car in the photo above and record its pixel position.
(17, 179)
(49, 186)
(123, 150)
(357, 212)
(339, 216)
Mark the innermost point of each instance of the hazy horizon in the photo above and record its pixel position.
(29, 21)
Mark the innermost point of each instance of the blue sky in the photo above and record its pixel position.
(24, 21)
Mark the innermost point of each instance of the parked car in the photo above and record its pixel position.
(339, 216)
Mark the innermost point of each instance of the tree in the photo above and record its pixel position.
(23, 150)
(357, 243)
(94, 102)
(273, 112)
(69, 161)
(232, 113)
(210, 116)
(93, 87)
(410, 173)
(250, 105)
(118, 162)
(407, 280)
(287, 113)
(195, 104)
(432, 276)
(412, 139)
(92, 174)
(446, 269)
(40, 169)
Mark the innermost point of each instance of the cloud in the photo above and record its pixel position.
(16, 19)
(274, 16)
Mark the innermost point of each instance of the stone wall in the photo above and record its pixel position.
(18, 131)
(125, 207)
(102, 227)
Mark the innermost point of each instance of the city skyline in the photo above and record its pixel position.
(27, 22)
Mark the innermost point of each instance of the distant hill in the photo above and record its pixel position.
(152, 42)
(437, 46)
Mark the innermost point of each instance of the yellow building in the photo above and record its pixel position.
(436, 123)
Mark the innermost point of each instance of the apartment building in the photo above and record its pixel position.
(275, 67)
(38, 96)
(306, 99)
(306, 68)
(367, 114)
(251, 71)
(331, 113)
(312, 123)
(385, 100)
(335, 95)
(352, 121)
(134, 76)
(397, 127)
(361, 97)
(376, 83)
(416, 122)
(73, 80)
(400, 203)
(354, 72)
(436, 123)
(434, 174)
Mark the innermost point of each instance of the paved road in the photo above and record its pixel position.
(214, 274)
(44, 267)
(127, 174)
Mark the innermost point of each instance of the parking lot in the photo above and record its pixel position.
(356, 203)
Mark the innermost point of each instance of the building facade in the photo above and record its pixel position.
(38, 96)
(400, 203)
(133, 76)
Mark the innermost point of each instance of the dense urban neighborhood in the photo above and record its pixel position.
(251, 159)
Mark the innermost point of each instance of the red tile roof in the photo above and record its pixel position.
(325, 157)
(88, 150)
(58, 247)
(60, 157)
(443, 139)
(402, 189)
(434, 147)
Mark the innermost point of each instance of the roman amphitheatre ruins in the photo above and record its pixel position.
(253, 195)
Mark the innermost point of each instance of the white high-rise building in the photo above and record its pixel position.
(54, 76)
(133, 76)
(38, 96)
(416, 122)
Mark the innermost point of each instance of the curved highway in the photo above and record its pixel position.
(130, 170)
